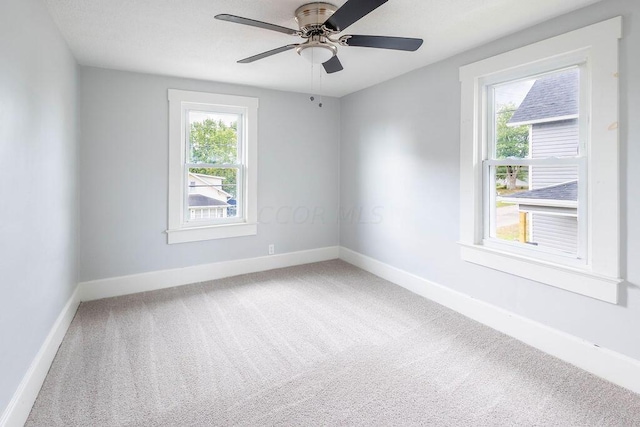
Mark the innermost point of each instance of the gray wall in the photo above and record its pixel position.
(400, 150)
(37, 184)
(124, 168)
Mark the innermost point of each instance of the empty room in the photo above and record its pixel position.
(354, 212)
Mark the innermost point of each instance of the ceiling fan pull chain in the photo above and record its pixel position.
(320, 91)
(312, 98)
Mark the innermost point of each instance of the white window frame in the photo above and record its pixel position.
(596, 49)
(180, 230)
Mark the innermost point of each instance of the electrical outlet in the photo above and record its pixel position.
(272, 249)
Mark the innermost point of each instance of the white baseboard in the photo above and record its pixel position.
(154, 280)
(17, 411)
(607, 364)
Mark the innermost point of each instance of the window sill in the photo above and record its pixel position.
(572, 279)
(211, 232)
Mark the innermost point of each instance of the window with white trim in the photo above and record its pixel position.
(212, 166)
(539, 161)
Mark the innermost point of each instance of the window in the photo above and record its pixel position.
(212, 166)
(539, 162)
(533, 198)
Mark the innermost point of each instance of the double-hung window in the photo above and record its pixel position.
(534, 171)
(212, 166)
(539, 162)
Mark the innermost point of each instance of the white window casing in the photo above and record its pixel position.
(180, 229)
(595, 50)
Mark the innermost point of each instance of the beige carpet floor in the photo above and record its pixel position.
(320, 344)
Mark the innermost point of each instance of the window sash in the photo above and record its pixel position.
(241, 142)
(548, 254)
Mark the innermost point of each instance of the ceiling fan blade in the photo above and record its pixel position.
(382, 42)
(254, 23)
(333, 65)
(350, 12)
(267, 54)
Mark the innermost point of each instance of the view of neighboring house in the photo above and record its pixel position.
(551, 203)
(207, 199)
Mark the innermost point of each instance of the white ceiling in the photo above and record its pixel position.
(181, 38)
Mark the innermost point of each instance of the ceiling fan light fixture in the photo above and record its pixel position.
(317, 53)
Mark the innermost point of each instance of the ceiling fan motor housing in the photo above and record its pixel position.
(310, 17)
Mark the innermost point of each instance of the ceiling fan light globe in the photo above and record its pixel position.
(316, 54)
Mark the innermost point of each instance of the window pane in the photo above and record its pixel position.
(212, 193)
(536, 205)
(538, 117)
(213, 137)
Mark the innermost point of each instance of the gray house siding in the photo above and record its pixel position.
(554, 139)
(557, 232)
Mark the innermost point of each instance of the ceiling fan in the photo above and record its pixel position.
(319, 25)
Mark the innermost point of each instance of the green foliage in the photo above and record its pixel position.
(214, 142)
(511, 142)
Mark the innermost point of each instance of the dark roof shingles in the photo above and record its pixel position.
(552, 96)
(200, 200)
(567, 191)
